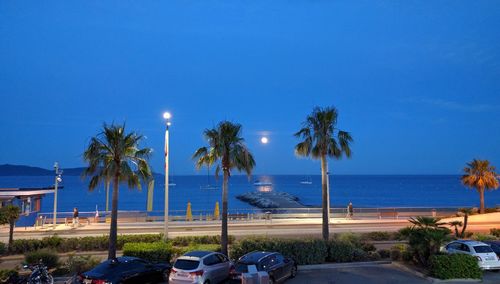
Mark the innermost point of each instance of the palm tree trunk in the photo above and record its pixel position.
(324, 196)
(466, 219)
(456, 231)
(481, 200)
(223, 238)
(113, 229)
(11, 233)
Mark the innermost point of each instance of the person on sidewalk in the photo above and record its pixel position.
(75, 217)
(350, 211)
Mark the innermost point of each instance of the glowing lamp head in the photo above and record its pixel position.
(167, 115)
(264, 140)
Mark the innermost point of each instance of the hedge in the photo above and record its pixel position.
(100, 243)
(163, 252)
(7, 274)
(495, 232)
(344, 251)
(157, 252)
(302, 251)
(3, 248)
(455, 266)
(48, 257)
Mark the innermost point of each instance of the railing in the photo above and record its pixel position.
(254, 214)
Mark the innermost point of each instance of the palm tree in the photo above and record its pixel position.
(456, 224)
(424, 222)
(9, 215)
(481, 175)
(114, 155)
(466, 212)
(226, 147)
(321, 139)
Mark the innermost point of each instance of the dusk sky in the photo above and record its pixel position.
(417, 83)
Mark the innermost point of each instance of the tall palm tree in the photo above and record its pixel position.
(9, 215)
(226, 147)
(322, 139)
(114, 155)
(481, 175)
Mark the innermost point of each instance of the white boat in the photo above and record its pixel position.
(209, 186)
(306, 181)
(262, 183)
(172, 184)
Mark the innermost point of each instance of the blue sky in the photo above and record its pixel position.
(416, 82)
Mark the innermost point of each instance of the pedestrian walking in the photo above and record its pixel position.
(75, 217)
(350, 211)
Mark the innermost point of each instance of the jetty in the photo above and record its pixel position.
(271, 200)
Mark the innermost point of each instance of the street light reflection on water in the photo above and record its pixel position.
(264, 184)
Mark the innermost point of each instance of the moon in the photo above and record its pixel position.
(264, 140)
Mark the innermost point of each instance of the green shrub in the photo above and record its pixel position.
(157, 252)
(384, 253)
(21, 246)
(354, 239)
(454, 266)
(303, 251)
(379, 236)
(52, 242)
(78, 264)
(188, 240)
(48, 257)
(3, 248)
(483, 237)
(495, 232)
(397, 251)
(344, 251)
(7, 274)
(373, 255)
(368, 247)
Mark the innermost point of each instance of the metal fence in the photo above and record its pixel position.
(255, 214)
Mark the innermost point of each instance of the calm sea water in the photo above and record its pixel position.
(361, 190)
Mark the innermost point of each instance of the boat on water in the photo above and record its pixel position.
(209, 186)
(306, 181)
(172, 184)
(262, 183)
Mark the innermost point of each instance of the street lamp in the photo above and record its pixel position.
(167, 117)
(58, 179)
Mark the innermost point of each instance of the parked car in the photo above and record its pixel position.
(126, 270)
(201, 267)
(495, 246)
(276, 265)
(486, 258)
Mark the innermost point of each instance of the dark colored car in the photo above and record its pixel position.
(495, 246)
(276, 265)
(126, 270)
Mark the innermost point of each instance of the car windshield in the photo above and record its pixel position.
(482, 249)
(186, 264)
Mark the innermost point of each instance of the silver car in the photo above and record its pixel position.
(486, 257)
(203, 267)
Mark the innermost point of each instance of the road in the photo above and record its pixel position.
(283, 227)
(367, 274)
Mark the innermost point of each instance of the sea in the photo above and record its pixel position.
(361, 190)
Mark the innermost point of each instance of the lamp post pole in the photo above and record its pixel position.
(56, 183)
(167, 117)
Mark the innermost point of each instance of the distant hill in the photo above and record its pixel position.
(21, 170)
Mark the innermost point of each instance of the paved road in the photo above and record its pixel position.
(383, 274)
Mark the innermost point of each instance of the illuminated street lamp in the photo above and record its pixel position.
(167, 117)
(58, 179)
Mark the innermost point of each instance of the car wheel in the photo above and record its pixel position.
(293, 273)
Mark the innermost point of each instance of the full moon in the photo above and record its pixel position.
(264, 140)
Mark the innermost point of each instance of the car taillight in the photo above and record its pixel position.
(196, 273)
(98, 281)
(479, 258)
(173, 271)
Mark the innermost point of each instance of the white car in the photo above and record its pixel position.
(486, 258)
(200, 267)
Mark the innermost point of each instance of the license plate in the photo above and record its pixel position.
(182, 274)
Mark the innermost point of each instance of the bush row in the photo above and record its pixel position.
(453, 266)
(343, 248)
(163, 252)
(100, 243)
(495, 232)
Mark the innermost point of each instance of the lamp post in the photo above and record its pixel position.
(167, 117)
(58, 179)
